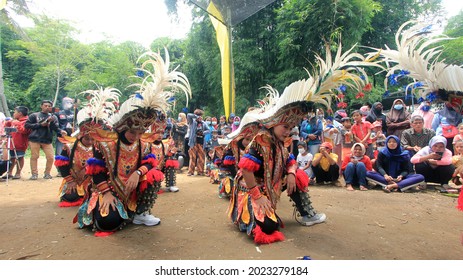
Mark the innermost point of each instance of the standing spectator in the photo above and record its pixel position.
(434, 162)
(230, 119)
(65, 121)
(304, 159)
(42, 125)
(295, 141)
(355, 167)
(445, 122)
(180, 130)
(424, 110)
(398, 118)
(324, 164)
(222, 124)
(311, 131)
(364, 111)
(376, 114)
(361, 130)
(415, 138)
(19, 140)
(214, 123)
(196, 141)
(236, 123)
(347, 136)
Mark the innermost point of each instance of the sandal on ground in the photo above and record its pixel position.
(363, 188)
(16, 177)
(349, 188)
(386, 189)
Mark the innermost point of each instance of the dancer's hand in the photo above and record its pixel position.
(290, 183)
(71, 187)
(132, 182)
(263, 205)
(108, 200)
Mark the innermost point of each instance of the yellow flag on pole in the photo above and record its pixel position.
(223, 40)
(2, 4)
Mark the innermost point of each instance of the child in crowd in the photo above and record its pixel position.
(328, 130)
(304, 159)
(362, 131)
(459, 136)
(378, 139)
(457, 160)
(347, 137)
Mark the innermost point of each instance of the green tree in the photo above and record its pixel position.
(452, 49)
(18, 7)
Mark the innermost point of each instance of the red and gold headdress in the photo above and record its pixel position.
(142, 109)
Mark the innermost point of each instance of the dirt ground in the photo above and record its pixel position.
(370, 225)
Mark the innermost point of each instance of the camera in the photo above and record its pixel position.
(9, 130)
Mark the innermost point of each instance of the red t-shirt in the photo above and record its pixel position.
(362, 130)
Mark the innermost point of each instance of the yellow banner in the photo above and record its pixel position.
(228, 84)
(2, 4)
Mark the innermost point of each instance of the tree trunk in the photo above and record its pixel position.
(3, 104)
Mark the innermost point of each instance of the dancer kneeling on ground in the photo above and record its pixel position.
(355, 167)
(125, 180)
(434, 162)
(266, 170)
(393, 168)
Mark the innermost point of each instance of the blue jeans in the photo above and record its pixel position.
(356, 173)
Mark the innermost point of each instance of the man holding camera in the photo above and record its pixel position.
(42, 125)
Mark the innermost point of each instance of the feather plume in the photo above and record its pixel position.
(102, 104)
(415, 54)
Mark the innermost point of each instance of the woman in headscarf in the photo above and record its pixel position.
(236, 123)
(445, 119)
(376, 113)
(392, 171)
(434, 162)
(355, 167)
(180, 130)
(398, 118)
(424, 110)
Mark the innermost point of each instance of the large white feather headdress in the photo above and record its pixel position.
(417, 56)
(151, 101)
(102, 103)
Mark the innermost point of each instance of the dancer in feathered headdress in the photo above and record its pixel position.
(123, 167)
(266, 168)
(71, 163)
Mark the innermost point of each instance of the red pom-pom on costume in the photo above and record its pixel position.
(262, 238)
(60, 162)
(94, 169)
(71, 204)
(150, 160)
(154, 175)
(460, 202)
(291, 162)
(103, 233)
(248, 164)
(172, 163)
(160, 191)
(229, 162)
(302, 180)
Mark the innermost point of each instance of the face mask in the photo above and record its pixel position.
(179, 119)
(426, 108)
(320, 116)
(236, 123)
(398, 107)
(214, 123)
(301, 151)
(208, 122)
(222, 122)
(378, 110)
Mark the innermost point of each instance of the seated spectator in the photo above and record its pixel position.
(434, 162)
(459, 136)
(415, 138)
(424, 110)
(392, 171)
(324, 165)
(378, 139)
(355, 166)
(304, 159)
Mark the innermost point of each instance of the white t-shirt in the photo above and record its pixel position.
(302, 162)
